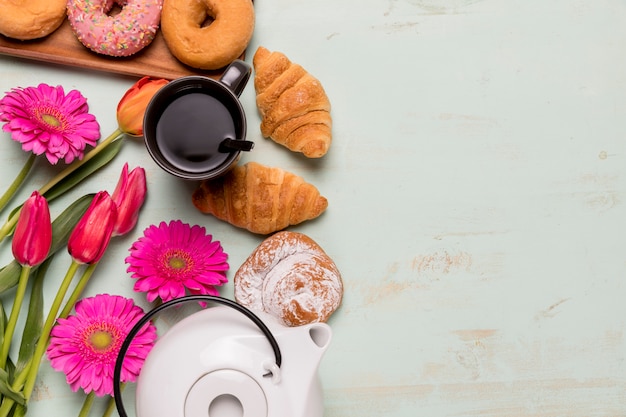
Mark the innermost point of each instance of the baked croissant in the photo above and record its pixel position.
(260, 199)
(294, 108)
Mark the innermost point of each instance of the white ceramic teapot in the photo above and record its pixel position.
(226, 361)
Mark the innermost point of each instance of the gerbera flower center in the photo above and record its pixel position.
(100, 340)
(51, 120)
(50, 116)
(177, 262)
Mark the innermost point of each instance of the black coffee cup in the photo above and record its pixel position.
(195, 126)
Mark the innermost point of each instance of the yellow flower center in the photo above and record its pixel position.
(101, 340)
(51, 120)
(178, 259)
(177, 262)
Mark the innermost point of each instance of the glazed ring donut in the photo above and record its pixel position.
(122, 34)
(30, 19)
(290, 277)
(212, 46)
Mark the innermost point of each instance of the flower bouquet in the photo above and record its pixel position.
(81, 337)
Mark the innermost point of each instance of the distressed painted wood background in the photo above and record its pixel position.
(477, 187)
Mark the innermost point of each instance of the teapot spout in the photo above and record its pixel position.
(302, 350)
(320, 334)
(312, 340)
(309, 341)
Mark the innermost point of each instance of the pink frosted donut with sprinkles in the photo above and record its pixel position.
(115, 34)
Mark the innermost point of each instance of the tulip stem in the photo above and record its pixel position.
(78, 290)
(7, 405)
(42, 343)
(17, 182)
(15, 311)
(19, 411)
(84, 411)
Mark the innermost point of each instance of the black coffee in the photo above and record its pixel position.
(190, 130)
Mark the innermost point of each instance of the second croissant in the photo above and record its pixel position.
(259, 198)
(293, 105)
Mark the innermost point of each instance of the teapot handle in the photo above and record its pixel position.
(117, 393)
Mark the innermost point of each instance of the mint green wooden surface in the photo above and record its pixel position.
(476, 187)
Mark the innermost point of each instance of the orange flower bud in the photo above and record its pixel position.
(92, 233)
(132, 107)
(33, 233)
(129, 196)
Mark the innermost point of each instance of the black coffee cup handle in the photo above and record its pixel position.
(236, 76)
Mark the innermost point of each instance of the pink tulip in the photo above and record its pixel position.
(129, 196)
(33, 233)
(92, 233)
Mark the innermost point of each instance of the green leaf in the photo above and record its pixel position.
(65, 222)
(34, 319)
(98, 161)
(7, 391)
(62, 227)
(9, 276)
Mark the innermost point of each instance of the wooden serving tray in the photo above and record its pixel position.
(62, 47)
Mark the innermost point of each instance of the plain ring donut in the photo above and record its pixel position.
(212, 46)
(121, 34)
(30, 19)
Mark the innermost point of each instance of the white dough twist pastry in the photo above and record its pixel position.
(290, 277)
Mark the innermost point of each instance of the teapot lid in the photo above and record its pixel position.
(244, 386)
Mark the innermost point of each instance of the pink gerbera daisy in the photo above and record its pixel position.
(173, 257)
(47, 121)
(85, 345)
